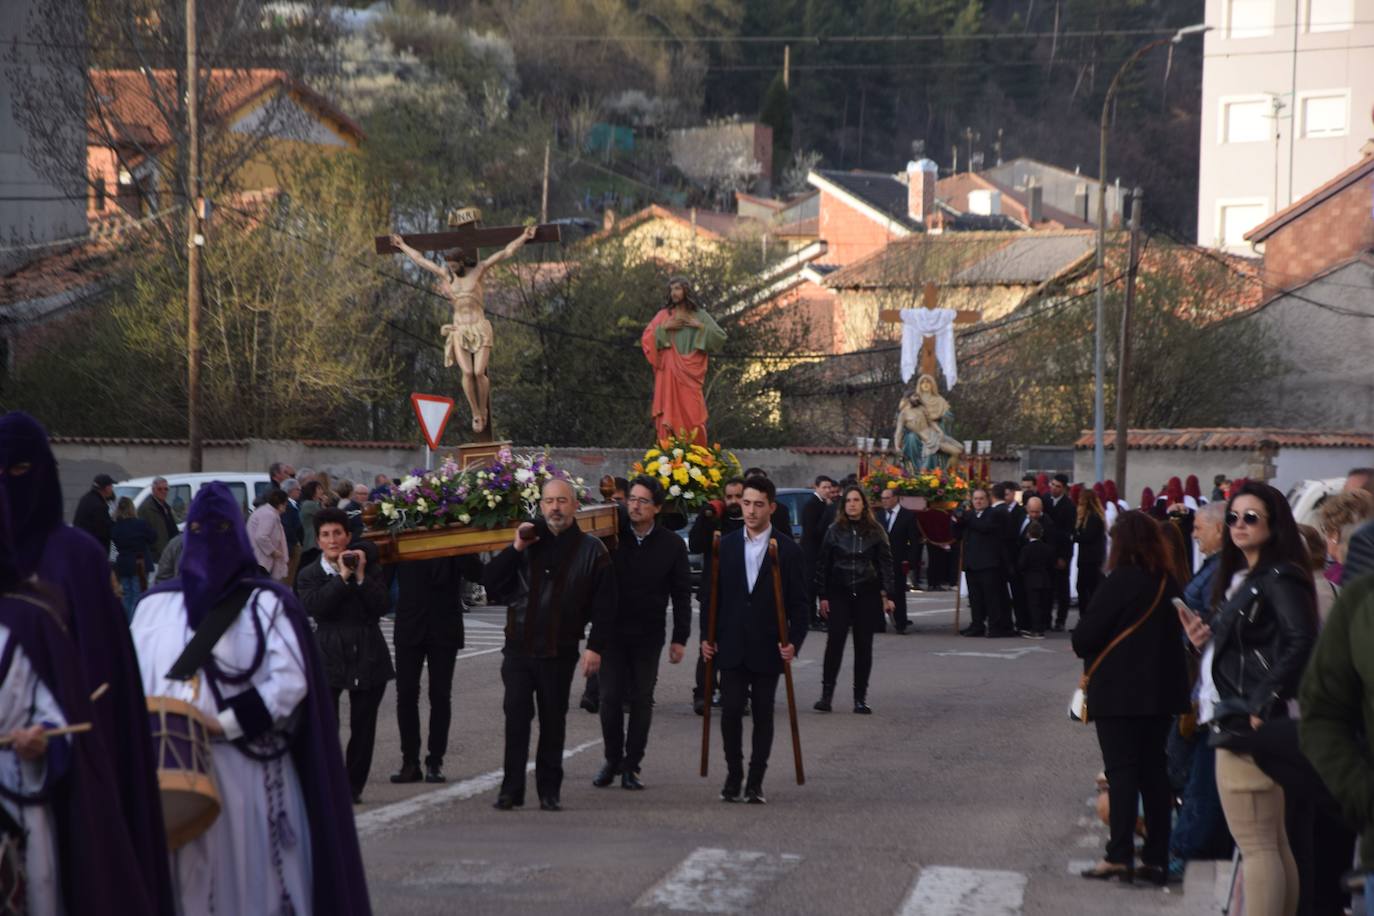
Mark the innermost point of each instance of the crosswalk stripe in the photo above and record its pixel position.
(946, 891)
(714, 880)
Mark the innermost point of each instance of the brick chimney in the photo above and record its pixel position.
(920, 189)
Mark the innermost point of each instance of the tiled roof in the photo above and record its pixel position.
(1223, 438)
(877, 189)
(129, 103)
(802, 228)
(709, 223)
(972, 258)
(954, 190)
(1359, 170)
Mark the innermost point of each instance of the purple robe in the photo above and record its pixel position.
(72, 563)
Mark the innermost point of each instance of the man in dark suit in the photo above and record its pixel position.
(724, 515)
(1064, 514)
(902, 537)
(93, 510)
(1028, 489)
(1013, 516)
(813, 530)
(982, 531)
(748, 649)
(429, 632)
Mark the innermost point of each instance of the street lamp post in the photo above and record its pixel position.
(1099, 408)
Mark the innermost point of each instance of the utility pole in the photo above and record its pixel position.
(1123, 349)
(195, 239)
(787, 67)
(544, 199)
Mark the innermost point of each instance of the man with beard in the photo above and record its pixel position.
(73, 564)
(650, 567)
(555, 579)
(726, 516)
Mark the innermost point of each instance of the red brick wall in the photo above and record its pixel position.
(850, 234)
(1333, 231)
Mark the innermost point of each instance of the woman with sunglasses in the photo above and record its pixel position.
(1254, 654)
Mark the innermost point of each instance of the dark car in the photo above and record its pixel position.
(794, 498)
(694, 559)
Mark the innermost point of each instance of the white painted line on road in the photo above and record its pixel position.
(1006, 654)
(398, 813)
(717, 881)
(946, 891)
(1078, 866)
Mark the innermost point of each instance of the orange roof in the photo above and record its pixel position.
(129, 103)
(1215, 438)
(709, 223)
(1314, 199)
(954, 190)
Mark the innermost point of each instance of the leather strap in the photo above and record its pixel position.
(215, 624)
(1083, 681)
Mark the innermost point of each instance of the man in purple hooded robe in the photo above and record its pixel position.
(285, 840)
(73, 564)
(60, 792)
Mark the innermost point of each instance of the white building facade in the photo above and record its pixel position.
(1287, 98)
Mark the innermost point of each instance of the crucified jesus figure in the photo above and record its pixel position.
(468, 339)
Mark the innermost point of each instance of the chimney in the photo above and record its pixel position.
(1080, 202)
(920, 189)
(1035, 203)
(985, 202)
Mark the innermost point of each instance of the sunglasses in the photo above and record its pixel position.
(1250, 518)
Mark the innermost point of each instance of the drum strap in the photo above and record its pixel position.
(215, 624)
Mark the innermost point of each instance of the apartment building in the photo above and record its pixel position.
(1287, 96)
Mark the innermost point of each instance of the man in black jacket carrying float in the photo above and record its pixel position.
(555, 579)
(982, 531)
(651, 566)
(748, 649)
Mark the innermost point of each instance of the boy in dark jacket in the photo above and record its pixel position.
(1035, 564)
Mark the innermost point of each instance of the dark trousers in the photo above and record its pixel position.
(535, 685)
(1020, 601)
(628, 672)
(914, 575)
(736, 687)
(939, 566)
(591, 688)
(987, 596)
(409, 661)
(362, 732)
(1039, 600)
(1061, 595)
(897, 592)
(1201, 829)
(699, 689)
(857, 613)
(1136, 766)
(1089, 577)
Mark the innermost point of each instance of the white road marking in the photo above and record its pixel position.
(717, 881)
(1005, 654)
(946, 891)
(398, 813)
(1078, 866)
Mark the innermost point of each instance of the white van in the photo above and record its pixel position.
(1306, 496)
(182, 488)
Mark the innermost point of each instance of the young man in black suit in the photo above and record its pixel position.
(1064, 513)
(748, 649)
(900, 525)
(1035, 567)
(813, 530)
(982, 531)
(1013, 516)
(725, 516)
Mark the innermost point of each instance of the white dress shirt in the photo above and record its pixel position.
(754, 550)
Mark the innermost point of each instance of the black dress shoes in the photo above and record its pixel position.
(434, 773)
(592, 706)
(699, 705)
(972, 630)
(410, 772)
(861, 708)
(549, 803)
(730, 792)
(606, 775)
(630, 780)
(753, 795)
(357, 798)
(506, 803)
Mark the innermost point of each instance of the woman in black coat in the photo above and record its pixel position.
(346, 594)
(852, 573)
(1090, 534)
(1136, 690)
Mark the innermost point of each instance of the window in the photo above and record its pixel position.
(1246, 120)
(1330, 15)
(99, 192)
(1249, 18)
(1324, 114)
(1237, 218)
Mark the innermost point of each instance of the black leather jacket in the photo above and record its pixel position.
(1263, 635)
(853, 562)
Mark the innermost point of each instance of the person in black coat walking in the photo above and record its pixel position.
(93, 510)
(345, 593)
(984, 565)
(748, 649)
(1062, 511)
(1035, 566)
(429, 633)
(904, 541)
(813, 531)
(852, 575)
(1090, 534)
(1013, 516)
(1133, 695)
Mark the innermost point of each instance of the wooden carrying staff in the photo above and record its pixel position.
(712, 604)
(958, 586)
(54, 732)
(786, 665)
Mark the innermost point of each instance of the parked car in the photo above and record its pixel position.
(695, 560)
(1306, 497)
(181, 488)
(794, 498)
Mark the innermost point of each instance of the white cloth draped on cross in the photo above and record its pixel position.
(920, 323)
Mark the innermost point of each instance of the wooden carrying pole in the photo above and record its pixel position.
(958, 586)
(786, 665)
(708, 692)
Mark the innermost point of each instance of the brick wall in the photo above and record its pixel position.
(851, 235)
(1332, 232)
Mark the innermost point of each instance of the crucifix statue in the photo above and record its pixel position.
(927, 339)
(468, 338)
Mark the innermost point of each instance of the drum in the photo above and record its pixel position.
(181, 747)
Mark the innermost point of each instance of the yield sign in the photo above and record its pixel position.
(433, 412)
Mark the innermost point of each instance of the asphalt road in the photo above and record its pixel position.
(967, 792)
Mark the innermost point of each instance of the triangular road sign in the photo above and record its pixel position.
(433, 412)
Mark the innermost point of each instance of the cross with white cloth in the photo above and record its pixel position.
(928, 336)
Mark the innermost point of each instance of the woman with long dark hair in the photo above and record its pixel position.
(1090, 534)
(1140, 683)
(1254, 654)
(852, 571)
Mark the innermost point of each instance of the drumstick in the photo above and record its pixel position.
(100, 691)
(53, 732)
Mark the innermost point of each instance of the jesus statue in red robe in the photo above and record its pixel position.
(676, 343)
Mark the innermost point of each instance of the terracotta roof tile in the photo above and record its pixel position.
(1238, 438)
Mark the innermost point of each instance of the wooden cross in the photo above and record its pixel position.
(469, 238)
(932, 296)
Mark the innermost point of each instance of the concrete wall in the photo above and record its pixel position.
(1153, 467)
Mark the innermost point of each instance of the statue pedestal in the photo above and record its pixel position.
(479, 453)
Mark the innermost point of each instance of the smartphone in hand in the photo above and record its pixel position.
(1182, 606)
